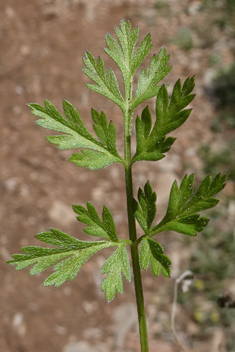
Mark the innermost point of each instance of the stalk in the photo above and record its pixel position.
(132, 235)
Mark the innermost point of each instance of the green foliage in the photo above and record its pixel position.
(151, 251)
(181, 215)
(97, 227)
(69, 254)
(184, 204)
(107, 84)
(152, 142)
(148, 148)
(145, 209)
(115, 266)
(147, 82)
(123, 55)
(95, 154)
(128, 61)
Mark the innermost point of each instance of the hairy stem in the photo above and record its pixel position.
(132, 235)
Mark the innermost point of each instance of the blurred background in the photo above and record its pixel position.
(42, 45)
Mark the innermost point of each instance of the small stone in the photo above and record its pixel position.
(10, 12)
(88, 307)
(10, 184)
(61, 213)
(209, 76)
(18, 324)
(60, 330)
(17, 109)
(194, 8)
(35, 85)
(81, 346)
(67, 291)
(190, 152)
(25, 50)
(118, 219)
(4, 253)
(33, 306)
(19, 90)
(50, 13)
(92, 333)
(84, 99)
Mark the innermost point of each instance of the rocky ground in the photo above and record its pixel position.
(42, 46)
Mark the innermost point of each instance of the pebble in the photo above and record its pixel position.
(10, 184)
(60, 330)
(194, 8)
(92, 333)
(61, 213)
(10, 12)
(5, 254)
(50, 12)
(19, 90)
(17, 320)
(88, 307)
(18, 324)
(209, 76)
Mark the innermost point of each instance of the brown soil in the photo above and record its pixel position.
(42, 45)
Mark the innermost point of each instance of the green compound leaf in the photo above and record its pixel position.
(97, 227)
(170, 116)
(151, 251)
(115, 266)
(149, 147)
(106, 84)
(123, 55)
(181, 215)
(67, 259)
(96, 154)
(147, 82)
(145, 209)
(152, 142)
(122, 52)
(106, 133)
(92, 160)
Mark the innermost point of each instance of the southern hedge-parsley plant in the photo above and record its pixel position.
(69, 254)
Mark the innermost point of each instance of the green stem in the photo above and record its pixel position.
(132, 235)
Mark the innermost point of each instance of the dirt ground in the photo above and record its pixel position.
(42, 45)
